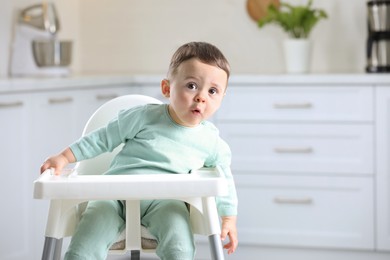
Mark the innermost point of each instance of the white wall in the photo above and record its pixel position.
(139, 36)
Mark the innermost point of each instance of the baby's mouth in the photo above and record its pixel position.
(196, 111)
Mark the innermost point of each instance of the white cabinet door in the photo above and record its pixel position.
(323, 212)
(312, 149)
(383, 167)
(15, 188)
(294, 103)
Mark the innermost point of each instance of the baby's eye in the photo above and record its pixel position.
(213, 91)
(192, 86)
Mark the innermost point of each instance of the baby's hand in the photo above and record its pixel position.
(58, 162)
(229, 229)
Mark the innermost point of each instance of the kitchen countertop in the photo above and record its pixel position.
(11, 85)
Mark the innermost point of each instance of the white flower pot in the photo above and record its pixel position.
(297, 55)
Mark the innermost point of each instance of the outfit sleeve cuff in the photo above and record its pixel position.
(76, 152)
(227, 212)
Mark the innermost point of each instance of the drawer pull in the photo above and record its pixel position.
(11, 104)
(293, 150)
(106, 96)
(305, 105)
(60, 100)
(280, 200)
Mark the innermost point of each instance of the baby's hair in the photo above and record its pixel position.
(205, 52)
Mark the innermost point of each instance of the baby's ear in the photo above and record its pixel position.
(165, 88)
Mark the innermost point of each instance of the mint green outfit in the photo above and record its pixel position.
(153, 144)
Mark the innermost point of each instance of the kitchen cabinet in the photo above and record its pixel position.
(294, 103)
(35, 125)
(306, 154)
(15, 186)
(302, 211)
(383, 167)
(310, 160)
(311, 149)
(311, 170)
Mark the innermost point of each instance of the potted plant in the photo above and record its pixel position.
(298, 21)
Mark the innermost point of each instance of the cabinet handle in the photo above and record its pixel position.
(280, 200)
(11, 104)
(305, 105)
(293, 150)
(60, 100)
(106, 96)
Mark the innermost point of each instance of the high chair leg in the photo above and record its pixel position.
(52, 249)
(216, 247)
(135, 254)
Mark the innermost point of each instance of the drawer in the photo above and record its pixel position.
(326, 212)
(300, 148)
(333, 103)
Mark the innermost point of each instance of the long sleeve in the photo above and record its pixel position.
(227, 205)
(107, 138)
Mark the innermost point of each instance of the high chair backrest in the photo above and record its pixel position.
(101, 117)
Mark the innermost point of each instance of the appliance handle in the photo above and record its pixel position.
(24, 12)
(42, 16)
(369, 47)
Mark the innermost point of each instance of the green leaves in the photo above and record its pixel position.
(297, 21)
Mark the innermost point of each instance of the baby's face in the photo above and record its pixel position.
(195, 92)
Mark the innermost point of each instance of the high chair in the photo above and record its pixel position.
(69, 193)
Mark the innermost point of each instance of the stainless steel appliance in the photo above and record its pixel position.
(36, 51)
(378, 42)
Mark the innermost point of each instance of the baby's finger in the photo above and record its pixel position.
(233, 243)
(44, 167)
(224, 233)
(230, 248)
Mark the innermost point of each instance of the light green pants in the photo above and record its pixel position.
(103, 221)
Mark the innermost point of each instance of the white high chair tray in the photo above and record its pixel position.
(201, 183)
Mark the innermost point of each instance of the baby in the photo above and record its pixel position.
(160, 138)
